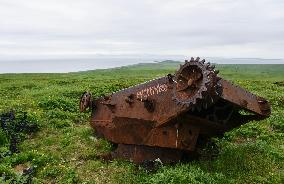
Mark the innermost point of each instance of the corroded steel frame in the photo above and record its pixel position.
(148, 122)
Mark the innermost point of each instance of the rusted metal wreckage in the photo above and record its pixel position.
(167, 117)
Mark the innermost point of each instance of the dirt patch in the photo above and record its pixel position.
(20, 168)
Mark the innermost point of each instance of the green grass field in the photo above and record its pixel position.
(65, 150)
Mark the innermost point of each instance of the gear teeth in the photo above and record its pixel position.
(201, 99)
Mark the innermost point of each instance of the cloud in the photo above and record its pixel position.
(223, 28)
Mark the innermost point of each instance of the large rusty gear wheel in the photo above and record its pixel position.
(196, 84)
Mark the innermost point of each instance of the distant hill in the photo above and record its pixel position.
(229, 71)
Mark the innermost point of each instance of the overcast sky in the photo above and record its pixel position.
(211, 28)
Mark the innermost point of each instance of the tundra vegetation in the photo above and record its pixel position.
(60, 147)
